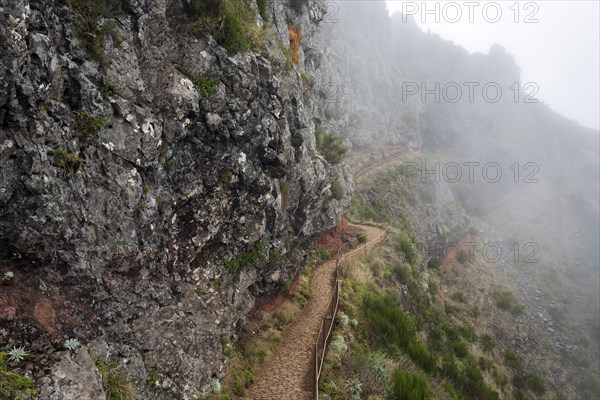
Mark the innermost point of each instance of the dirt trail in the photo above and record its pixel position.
(288, 375)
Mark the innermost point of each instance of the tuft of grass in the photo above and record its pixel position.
(87, 127)
(463, 257)
(459, 297)
(288, 58)
(115, 384)
(67, 161)
(330, 146)
(92, 37)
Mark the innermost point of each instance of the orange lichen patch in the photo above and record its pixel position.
(295, 43)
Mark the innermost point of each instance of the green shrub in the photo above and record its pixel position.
(231, 22)
(408, 386)
(511, 359)
(506, 301)
(114, 381)
(531, 382)
(434, 263)
(206, 86)
(459, 297)
(330, 146)
(67, 161)
(433, 288)
(85, 27)
(87, 127)
(392, 329)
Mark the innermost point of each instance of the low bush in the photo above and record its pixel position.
(405, 244)
(511, 359)
(13, 385)
(487, 342)
(530, 381)
(337, 192)
(87, 127)
(67, 161)
(506, 301)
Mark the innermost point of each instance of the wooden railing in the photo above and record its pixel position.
(329, 317)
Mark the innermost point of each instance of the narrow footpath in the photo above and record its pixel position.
(288, 375)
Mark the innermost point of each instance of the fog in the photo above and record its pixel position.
(407, 85)
(555, 43)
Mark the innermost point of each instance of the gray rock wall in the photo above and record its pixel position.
(150, 239)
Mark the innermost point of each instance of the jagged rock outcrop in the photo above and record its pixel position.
(150, 193)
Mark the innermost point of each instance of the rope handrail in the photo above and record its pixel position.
(332, 307)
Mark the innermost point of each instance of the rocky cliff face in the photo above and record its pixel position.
(152, 186)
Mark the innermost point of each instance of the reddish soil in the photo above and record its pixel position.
(336, 237)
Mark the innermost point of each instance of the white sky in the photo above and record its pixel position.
(560, 52)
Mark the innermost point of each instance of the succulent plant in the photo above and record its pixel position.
(9, 275)
(17, 354)
(344, 319)
(354, 323)
(215, 385)
(71, 344)
(337, 344)
(354, 386)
